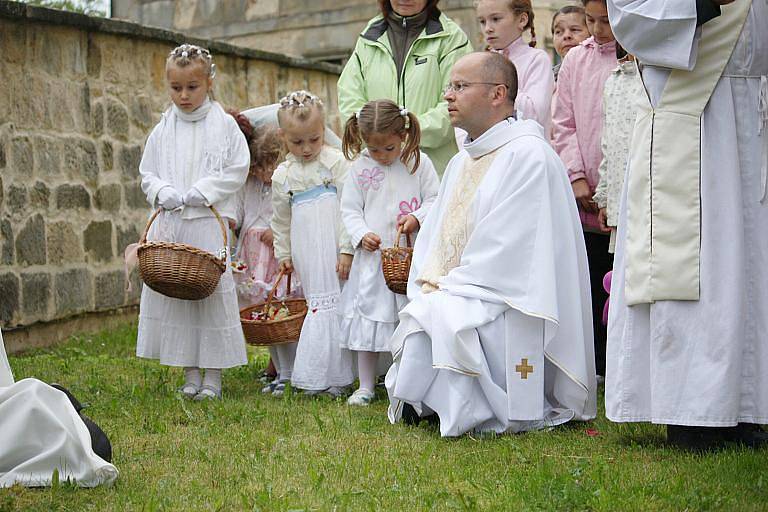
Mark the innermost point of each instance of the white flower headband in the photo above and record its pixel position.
(191, 51)
(298, 99)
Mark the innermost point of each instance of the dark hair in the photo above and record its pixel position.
(386, 7)
(568, 9)
(500, 69)
(243, 123)
(385, 117)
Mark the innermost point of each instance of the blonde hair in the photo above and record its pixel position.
(384, 117)
(266, 147)
(519, 7)
(299, 105)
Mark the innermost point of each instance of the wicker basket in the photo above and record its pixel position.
(274, 332)
(179, 270)
(396, 264)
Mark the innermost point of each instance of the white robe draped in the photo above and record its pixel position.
(701, 362)
(40, 432)
(518, 298)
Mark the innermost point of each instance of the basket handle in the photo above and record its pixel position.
(143, 239)
(273, 291)
(399, 234)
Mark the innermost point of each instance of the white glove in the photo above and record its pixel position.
(169, 198)
(194, 197)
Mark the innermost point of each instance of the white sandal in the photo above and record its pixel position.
(189, 390)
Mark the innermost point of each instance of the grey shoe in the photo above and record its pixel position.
(207, 393)
(189, 390)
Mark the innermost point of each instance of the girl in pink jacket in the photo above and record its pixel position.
(577, 130)
(503, 23)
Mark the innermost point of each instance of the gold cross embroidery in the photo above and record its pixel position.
(524, 368)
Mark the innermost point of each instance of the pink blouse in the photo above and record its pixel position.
(535, 82)
(577, 118)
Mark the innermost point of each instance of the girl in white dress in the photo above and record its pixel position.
(196, 156)
(308, 234)
(390, 185)
(255, 252)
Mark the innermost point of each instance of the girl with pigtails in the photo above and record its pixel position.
(310, 238)
(390, 185)
(195, 157)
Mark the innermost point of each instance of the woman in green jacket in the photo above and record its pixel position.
(405, 54)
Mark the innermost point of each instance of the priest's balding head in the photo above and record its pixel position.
(481, 92)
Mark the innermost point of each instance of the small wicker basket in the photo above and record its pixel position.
(396, 264)
(179, 270)
(274, 332)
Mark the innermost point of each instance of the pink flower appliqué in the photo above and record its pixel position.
(370, 178)
(408, 207)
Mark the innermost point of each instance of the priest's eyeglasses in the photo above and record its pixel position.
(459, 87)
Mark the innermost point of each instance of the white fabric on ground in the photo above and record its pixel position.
(40, 432)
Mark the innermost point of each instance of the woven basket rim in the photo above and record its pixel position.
(294, 316)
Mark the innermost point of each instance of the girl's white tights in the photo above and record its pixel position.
(194, 377)
(213, 378)
(367, 363)
(283, 356)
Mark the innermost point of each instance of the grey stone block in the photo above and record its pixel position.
(8, 250)
(63, 244)
(107, 156)
(70, 197)
(97, 240)
(97, 119)
(73, 291)
(93, 57)
(40, 195)
(36, 293)
(9, 291)
(110, 290)
(134, 196)
(80, 159)
(30, 242)
(126, 236)
(17, 198)
(47, 156)
(21, 156)
(109, 197)
(118, 124)
(141, 111)
(128, 159)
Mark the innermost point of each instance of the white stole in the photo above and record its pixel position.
(664, 203)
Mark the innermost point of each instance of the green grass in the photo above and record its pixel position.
(251, 452)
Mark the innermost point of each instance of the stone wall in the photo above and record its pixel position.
(317, 29)
(78, 98)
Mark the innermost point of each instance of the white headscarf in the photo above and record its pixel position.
(268, 115)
